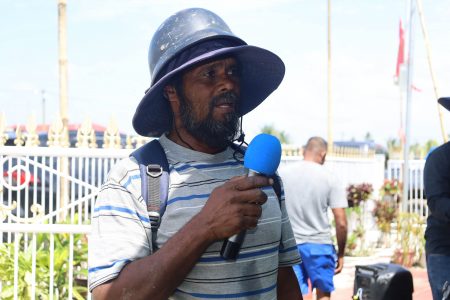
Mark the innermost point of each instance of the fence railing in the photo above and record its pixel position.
(45, 260)
(60, 182)
(352, 170)
(47, 198)
(48, 194)
(416, 202)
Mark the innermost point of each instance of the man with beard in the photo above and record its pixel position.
(204, 79)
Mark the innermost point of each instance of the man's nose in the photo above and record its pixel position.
(228, 82)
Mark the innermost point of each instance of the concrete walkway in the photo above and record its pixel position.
(344, 281)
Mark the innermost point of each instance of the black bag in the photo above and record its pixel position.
(383, 282)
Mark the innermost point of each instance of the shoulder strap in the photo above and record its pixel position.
(276, 179)
(154, 170)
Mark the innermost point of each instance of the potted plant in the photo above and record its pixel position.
(391, 190)
(386, 209)
(357, 194)
(410, 237)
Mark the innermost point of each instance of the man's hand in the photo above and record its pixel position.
(234, 206)
(341, 236)
(287, 285)
(339, 266)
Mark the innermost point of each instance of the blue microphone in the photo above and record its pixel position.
(262, 157)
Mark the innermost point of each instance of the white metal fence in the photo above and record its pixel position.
(47, 200)
(353, 170)
(416, 202)
(45, 252)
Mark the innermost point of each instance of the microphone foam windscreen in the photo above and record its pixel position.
(263, 154)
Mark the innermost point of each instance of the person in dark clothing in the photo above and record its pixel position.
(437, 234)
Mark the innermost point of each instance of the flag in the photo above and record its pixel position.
(415, 88)
(401, 58)
(401, 52)
(401, 135)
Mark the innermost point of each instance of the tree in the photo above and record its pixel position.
(429, 145)
(281, 135)
(416, 150)
(393, 144)
(394, 148)
(368, 137)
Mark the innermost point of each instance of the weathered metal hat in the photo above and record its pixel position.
(191, 37)
(445, 102)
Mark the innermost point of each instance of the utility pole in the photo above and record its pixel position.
(64, 161)
(330, 102)
(62, 42)
(430, 66)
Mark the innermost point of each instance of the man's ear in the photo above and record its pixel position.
(324, 156)
(170, 93)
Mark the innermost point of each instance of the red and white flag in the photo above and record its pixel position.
(401, 53)
(401, 58)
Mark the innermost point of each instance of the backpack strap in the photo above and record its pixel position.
(154, 170)
(276, 179)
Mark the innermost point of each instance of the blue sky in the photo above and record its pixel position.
(108, 71)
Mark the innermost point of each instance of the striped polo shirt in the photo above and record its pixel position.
(121, 228)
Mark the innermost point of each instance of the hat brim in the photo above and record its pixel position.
(445, 102)
(261, 73)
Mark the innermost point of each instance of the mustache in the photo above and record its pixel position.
(229, 97)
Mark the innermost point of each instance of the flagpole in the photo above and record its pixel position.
(408, 106)
(430, 66)
(62, 44)
(402, 130)
(330, 102)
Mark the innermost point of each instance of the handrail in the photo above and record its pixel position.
(64, 152)
(45, 228)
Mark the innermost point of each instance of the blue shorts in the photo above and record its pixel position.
(318, 265)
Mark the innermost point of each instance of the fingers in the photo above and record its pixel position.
(245, 189)
(250, 223)
(337, 271)
(250, 215)
(254, 196)
(253, 210)
(339, 266)
(243, 183)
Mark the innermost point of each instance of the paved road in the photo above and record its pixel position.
(344, 281)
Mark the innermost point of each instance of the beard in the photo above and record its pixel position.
(215, 134)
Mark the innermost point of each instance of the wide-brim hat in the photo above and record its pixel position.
(445, 102)
(261, 73)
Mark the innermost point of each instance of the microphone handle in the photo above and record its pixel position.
(252, 173)
(232, 245)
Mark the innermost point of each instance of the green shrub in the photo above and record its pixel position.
(60, 263)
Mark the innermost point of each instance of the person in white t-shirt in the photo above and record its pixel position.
(310, 191)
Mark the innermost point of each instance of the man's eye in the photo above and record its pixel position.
(234, 72)
(209, 74)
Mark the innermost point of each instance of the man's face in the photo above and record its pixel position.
(209, 100)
